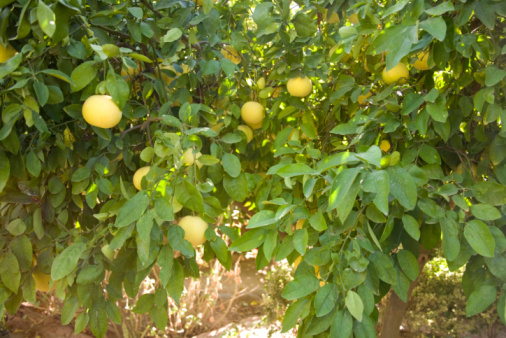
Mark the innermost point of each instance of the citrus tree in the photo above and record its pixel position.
(358, 133)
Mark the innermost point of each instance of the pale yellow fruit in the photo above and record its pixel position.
(385, 145)
(6, 52)
(139, 174)
(201, 2)
(399, 74)
(253, 114)
(176, 206)
(334, 17)
(42, 280)
(299, 224)
(247, 130)
(217, 126)
(129, 71)
(101, 111)
(362, 98)
(299, 86)
(422, 62)
(297, 262)
(276, 92)
(261, 83)
(230, 53)
(353, 19)
(194, 228)
(167, 79)
(190, 159)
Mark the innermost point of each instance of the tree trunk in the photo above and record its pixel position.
(395, 309)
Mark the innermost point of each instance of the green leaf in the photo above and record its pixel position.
(296, 169)
(176, 285)
(438, 109)
(485, 212)
(175, 237)
(117, 88)
(66, 261)
(354, 304)
(90, 274)
(301, 286)
(326, 299)
(451, 242)
(231, 164)
(493, 75)
(490, 192)
(402, 187)
(113, 311)
(479, 237)
(98, 319)
(342, 325)
(300, 239)
(429, 154)
(485, 13)
(411, 226)
(221, 250)
(236, 187)
(378, 182)
(480, 299)
(16, 227)
(57, 74)
(46, 18)
(371, 156)
(250, 240)
(133, 209)
(261, 219)
(411, 102)
(344, 190)
(435, 26)
(384, 267)
(69, 309)
(408, 263)
(304, 25)
(293, 313)
(336, 160)
(440, 9)
(163, 208)
(10, 65)
(82, 75)
(160, 316)
(9, 271)
(81, 322)
(189, 196)
(172, 35)
(318, 222)
(5, 169)
(166, 262)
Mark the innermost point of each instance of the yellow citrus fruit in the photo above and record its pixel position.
(167, 79)
(190, 159)
(217, 126)
(42, 280)
(353, 19)
(334, 17)
(297, 262)
(176, 206)
(230, 53)
(385, 145)
(362, 98)
(299, 224)
(247, 130)
(422, 62)
(276, 92)
(253, 114)
(194, 228)
(261, 83)
(139, 174)
(6, 52)
(101, 111)
(299, 86)
(399, 74)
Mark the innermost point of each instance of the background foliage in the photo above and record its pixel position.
(65, 187)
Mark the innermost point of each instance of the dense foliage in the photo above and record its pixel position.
(66, 192)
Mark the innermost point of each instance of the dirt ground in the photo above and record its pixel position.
(244, 318)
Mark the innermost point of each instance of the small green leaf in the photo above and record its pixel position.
(435, 26)
(296, 169)
(479, 237)
(261, 219)
(132, 210)
(480, 299)
(408, 263)
(411, 226)
(293, 313)
(231, 164)
(250, 240)
(301, 286)
(318, 222)
(82, 75)
(46, 18)
(402, 187)
(485, 212)
(325, 299)
(66, 261)
(354, 304)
